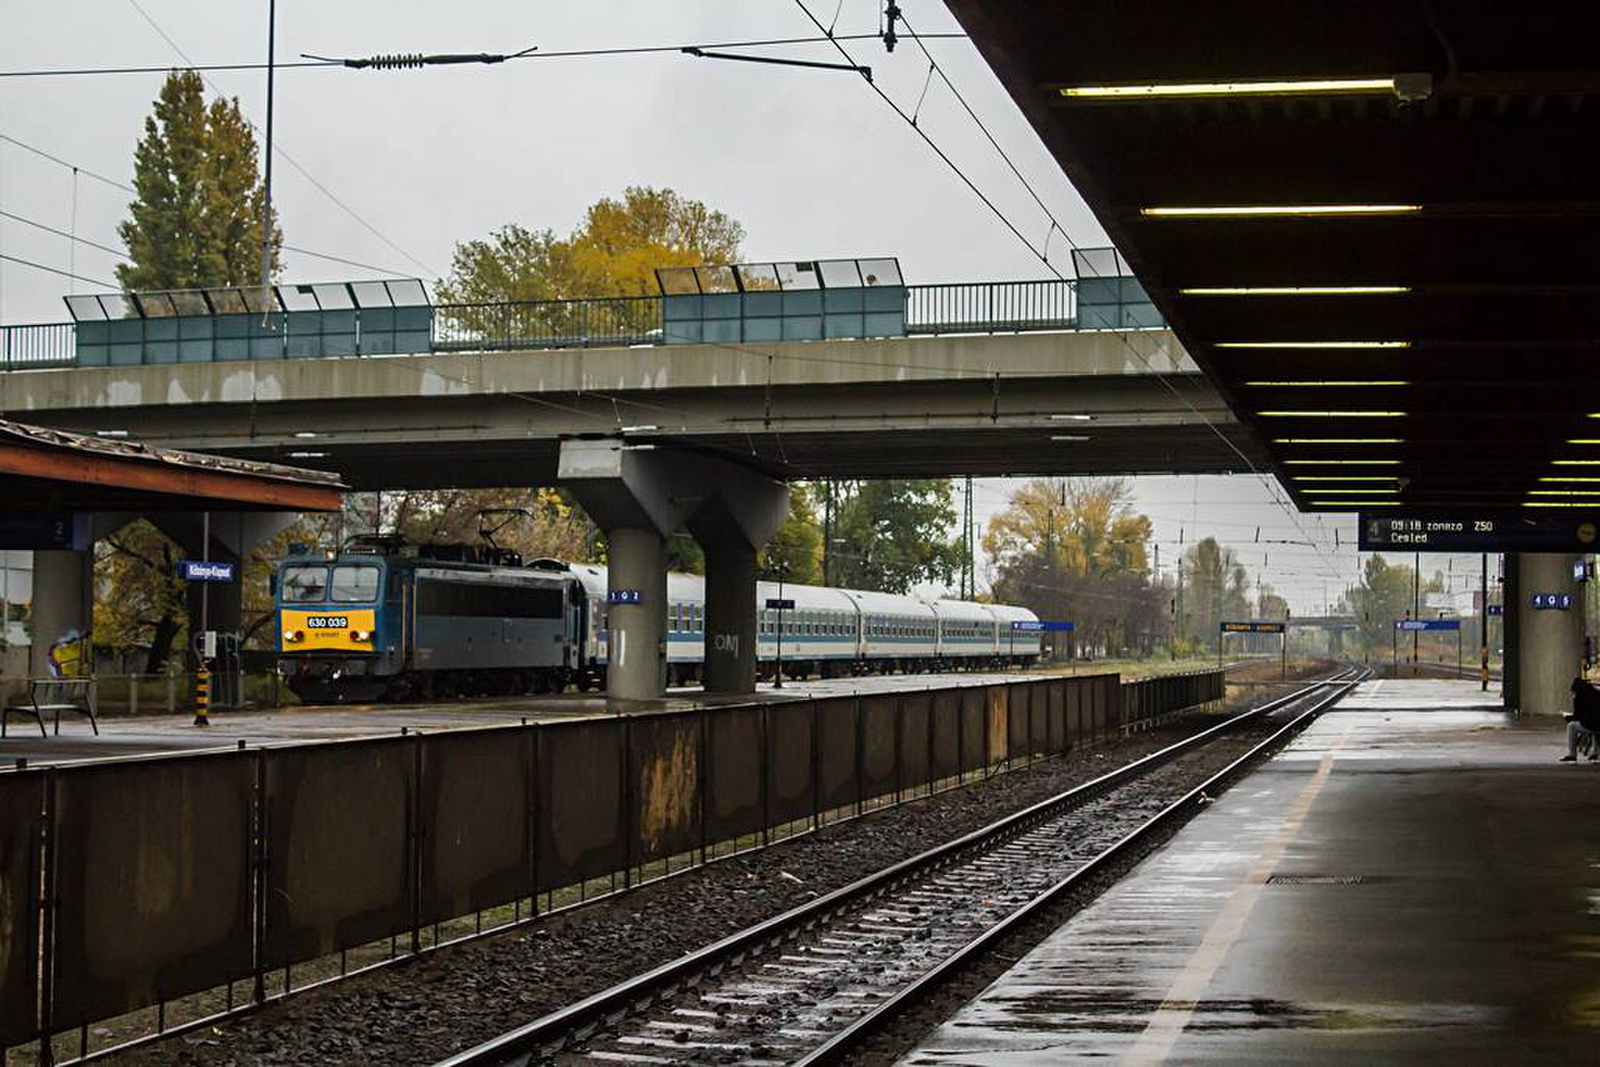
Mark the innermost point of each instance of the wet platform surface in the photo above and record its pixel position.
(1415, 879)
(131, 736)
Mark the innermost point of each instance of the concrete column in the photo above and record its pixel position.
(1510, 632)
(63, 602)
(640, 494)
(637, 668)
(730, 616)
(1549, 641)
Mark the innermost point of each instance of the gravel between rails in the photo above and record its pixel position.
(426, 1008)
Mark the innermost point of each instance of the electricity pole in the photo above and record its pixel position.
(266, 217)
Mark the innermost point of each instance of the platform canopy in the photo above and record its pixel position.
(1370, 222)
(51, 472)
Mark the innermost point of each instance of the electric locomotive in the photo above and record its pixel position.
(383, 619)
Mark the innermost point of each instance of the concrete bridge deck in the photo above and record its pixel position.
(982, 404)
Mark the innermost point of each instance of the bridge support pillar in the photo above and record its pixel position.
(63, 603)
(639, 495)
(1547, 643)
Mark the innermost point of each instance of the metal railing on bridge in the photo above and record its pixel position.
(598, 322)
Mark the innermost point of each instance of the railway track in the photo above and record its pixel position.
(811, 985)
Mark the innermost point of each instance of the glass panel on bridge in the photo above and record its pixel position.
(86, 309)
(757, 277)
(716, 279)
(840, 273)
(678, 281)
(332, 296)
(227, 302)
(797, 275)
(407, 292)
(876, 272)
(371, 294)
(155, 305)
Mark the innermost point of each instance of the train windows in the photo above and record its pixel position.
(355, 583)
(304, 585)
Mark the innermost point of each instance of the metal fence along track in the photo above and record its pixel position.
(244, 864)
(560, 1030)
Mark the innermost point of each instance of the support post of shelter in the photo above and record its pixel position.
(638, 650)
(1510, 635)
(1549, 639)
(63, 605)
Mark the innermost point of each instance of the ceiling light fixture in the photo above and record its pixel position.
(1338, 440)
(1069, 437)
(1313, 344)
(1575, 462)
(1250, 211)
(1342, 462)
(1296, 290)
(1071, 418)
(1568, 479)
(1332, 414)
(1328, 490)
(308, 455)
(1354, 503)
(1564, 492)
(1373, 384)
(1350, 478)
(1275, 87)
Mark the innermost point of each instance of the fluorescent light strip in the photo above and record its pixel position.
(1351, 478)
(1248, 211)
(1332, 414)
(1575, 462)
(1325, 385)
(1338, 440)
(1313, 344)
(1344, 462)
(1280, 87)
(1583, 440)
(1296, 290)
(1329, 490)
(1569, 479)
(1354, 503)
(1558, 504)
(1564, 492)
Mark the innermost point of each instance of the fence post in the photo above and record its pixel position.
(47, 918)
(133, 693)
(258, 875)
(172, 692)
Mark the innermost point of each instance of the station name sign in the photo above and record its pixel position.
(1253, 627)
(196, 570)
(624, 596)
(1410, 625)
(1496, 532)
(1043, 626)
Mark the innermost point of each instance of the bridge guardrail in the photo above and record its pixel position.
(609, 322)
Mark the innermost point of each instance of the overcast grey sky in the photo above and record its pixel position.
(809, 161)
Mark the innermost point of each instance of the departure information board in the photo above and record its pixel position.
(1480, 533)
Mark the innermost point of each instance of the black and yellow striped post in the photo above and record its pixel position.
(202, 696)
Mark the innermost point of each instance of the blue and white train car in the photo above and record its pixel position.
(1015, 645)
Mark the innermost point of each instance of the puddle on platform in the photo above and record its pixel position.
(1117, 1015)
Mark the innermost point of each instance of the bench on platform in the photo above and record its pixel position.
(52, 696)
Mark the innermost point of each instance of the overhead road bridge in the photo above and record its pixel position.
(689, 409)
(1363, 220)
(853, 381)
(60, 492)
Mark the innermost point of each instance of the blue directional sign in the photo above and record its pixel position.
(196, 570)
(1409, 625)
(624, 596)
(1496, 609)
(777, 604)
(1043, 626)
(1552, 601)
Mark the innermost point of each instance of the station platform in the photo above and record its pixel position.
(145, 734)
(1415, 878)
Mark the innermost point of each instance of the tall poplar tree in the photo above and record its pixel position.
(196, 219)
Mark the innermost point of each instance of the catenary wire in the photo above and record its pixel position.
(1039, 254)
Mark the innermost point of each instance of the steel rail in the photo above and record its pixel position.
(541, 1038)
(842, 1044)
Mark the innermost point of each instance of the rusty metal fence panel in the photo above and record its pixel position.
(944, 749)
(1056, 715)
(997, 749)
(340, 830)
(664, 783)
(1017, 704)
(152, 882)
(1039, 718)
(583, 829)
(791, 762)
(974, 728)
(879, 770)
(733, 780)
(838, 743)
(477, 827)
(916, 711)
(21, 807)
